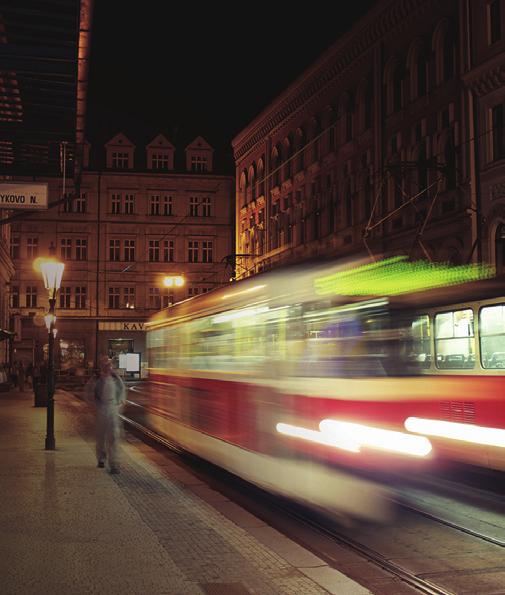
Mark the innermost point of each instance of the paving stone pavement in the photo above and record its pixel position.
(68, 527)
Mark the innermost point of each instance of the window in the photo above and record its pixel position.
(129, 297)
(129, 204)
(193, 206)
(15, 247)
(420, 347)
(32, 247)
(80, 203)
(422, 74)
(167, 297)
(119, 160)
(31, 296)
(494, 20)
(207, 251)
(448, 57)
(397, 90)
(114, 250)
(159, 161)
(154, 250)
(193, 291)
(454, 340)
(81, 294)
(116, 204)
(65, 293)
(498, 132)
(15, 296)
(492, 336)
(168, 250)
(81, 249)
(154, 205)
(154, 298)
(206, 206)
(198, 163)
(114, 293)
(68, 204)
(192, 251)
(66, 248)
(129, 250)
(168, 205)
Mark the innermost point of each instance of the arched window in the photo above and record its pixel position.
(300, 149)
(242, 188)
(261, 178)
(422, 170)
(422, 74)
(331, 119)
(500, 248)
(288, 151)
(397, 90)
(450, 161)
(393, 81)
(252, 181)
(368, 105)
(315, 140)
(448, 60)
(276, 166)
(443, 45)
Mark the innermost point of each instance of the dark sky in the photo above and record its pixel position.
(201, 69)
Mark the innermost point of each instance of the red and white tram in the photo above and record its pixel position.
(285, 376)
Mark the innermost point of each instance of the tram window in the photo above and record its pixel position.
(420, 347)
(492, 336)
(454, 340)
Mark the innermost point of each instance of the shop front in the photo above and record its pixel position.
(125, 343)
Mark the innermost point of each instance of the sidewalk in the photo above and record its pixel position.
(70, 528)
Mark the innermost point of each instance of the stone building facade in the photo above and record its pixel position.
(126, 229)
(392, 142)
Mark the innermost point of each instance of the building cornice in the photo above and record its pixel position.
(331, 66)
(487, 77)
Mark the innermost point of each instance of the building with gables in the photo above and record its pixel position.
(391, 142)
(150, 211)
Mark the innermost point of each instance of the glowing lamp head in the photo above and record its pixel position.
(52, 272)
(173, 281)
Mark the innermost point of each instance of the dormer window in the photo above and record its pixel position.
(119, 160)
(159, 161)
(198, 163)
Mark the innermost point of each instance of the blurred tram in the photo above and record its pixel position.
(293, 375)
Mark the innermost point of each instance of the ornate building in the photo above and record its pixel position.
(391, 142)
(131, 224)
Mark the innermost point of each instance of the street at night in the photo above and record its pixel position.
(252, 298)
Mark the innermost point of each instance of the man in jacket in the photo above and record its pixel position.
(109, 399)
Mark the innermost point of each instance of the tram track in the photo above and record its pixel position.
(298, 514)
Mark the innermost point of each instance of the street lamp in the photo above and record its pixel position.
(52, 272)
(173, 281)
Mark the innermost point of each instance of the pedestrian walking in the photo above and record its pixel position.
(109, 399)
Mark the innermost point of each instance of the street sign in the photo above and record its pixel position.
(27, 196)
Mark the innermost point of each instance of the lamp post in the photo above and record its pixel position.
(173, 281)
(52, 272)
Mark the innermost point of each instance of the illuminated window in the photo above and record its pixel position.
(15, 247)
(154, 298)
(114, 250)
(129, 250)
(31, 296)
(198, 163)
(114, 296)
(207, 251)
(129, 297)
(193, 291)
(206, 206)
(154, 250)
(168, 250)
(167, 297)
(154, 205)
(65, 295)
(66, 248)
(116, 204)
(168, 205)
(192, 251)
(129, 204)
(454, 339)
(81, 249)
(15, 296)
(120, 160)
(492, 336)
(81, 294)
(420, 348)
(193, 206)
(32, 247)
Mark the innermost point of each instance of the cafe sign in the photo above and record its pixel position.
(14, 195)
(122, 326)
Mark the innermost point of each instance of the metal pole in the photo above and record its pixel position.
(50, 442)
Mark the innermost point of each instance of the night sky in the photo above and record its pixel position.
(200, 69)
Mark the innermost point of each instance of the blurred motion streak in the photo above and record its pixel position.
(344, 441)
(457, 431)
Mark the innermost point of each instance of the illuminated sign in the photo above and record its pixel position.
(15, 195)
(133, 362)
(133, 325)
